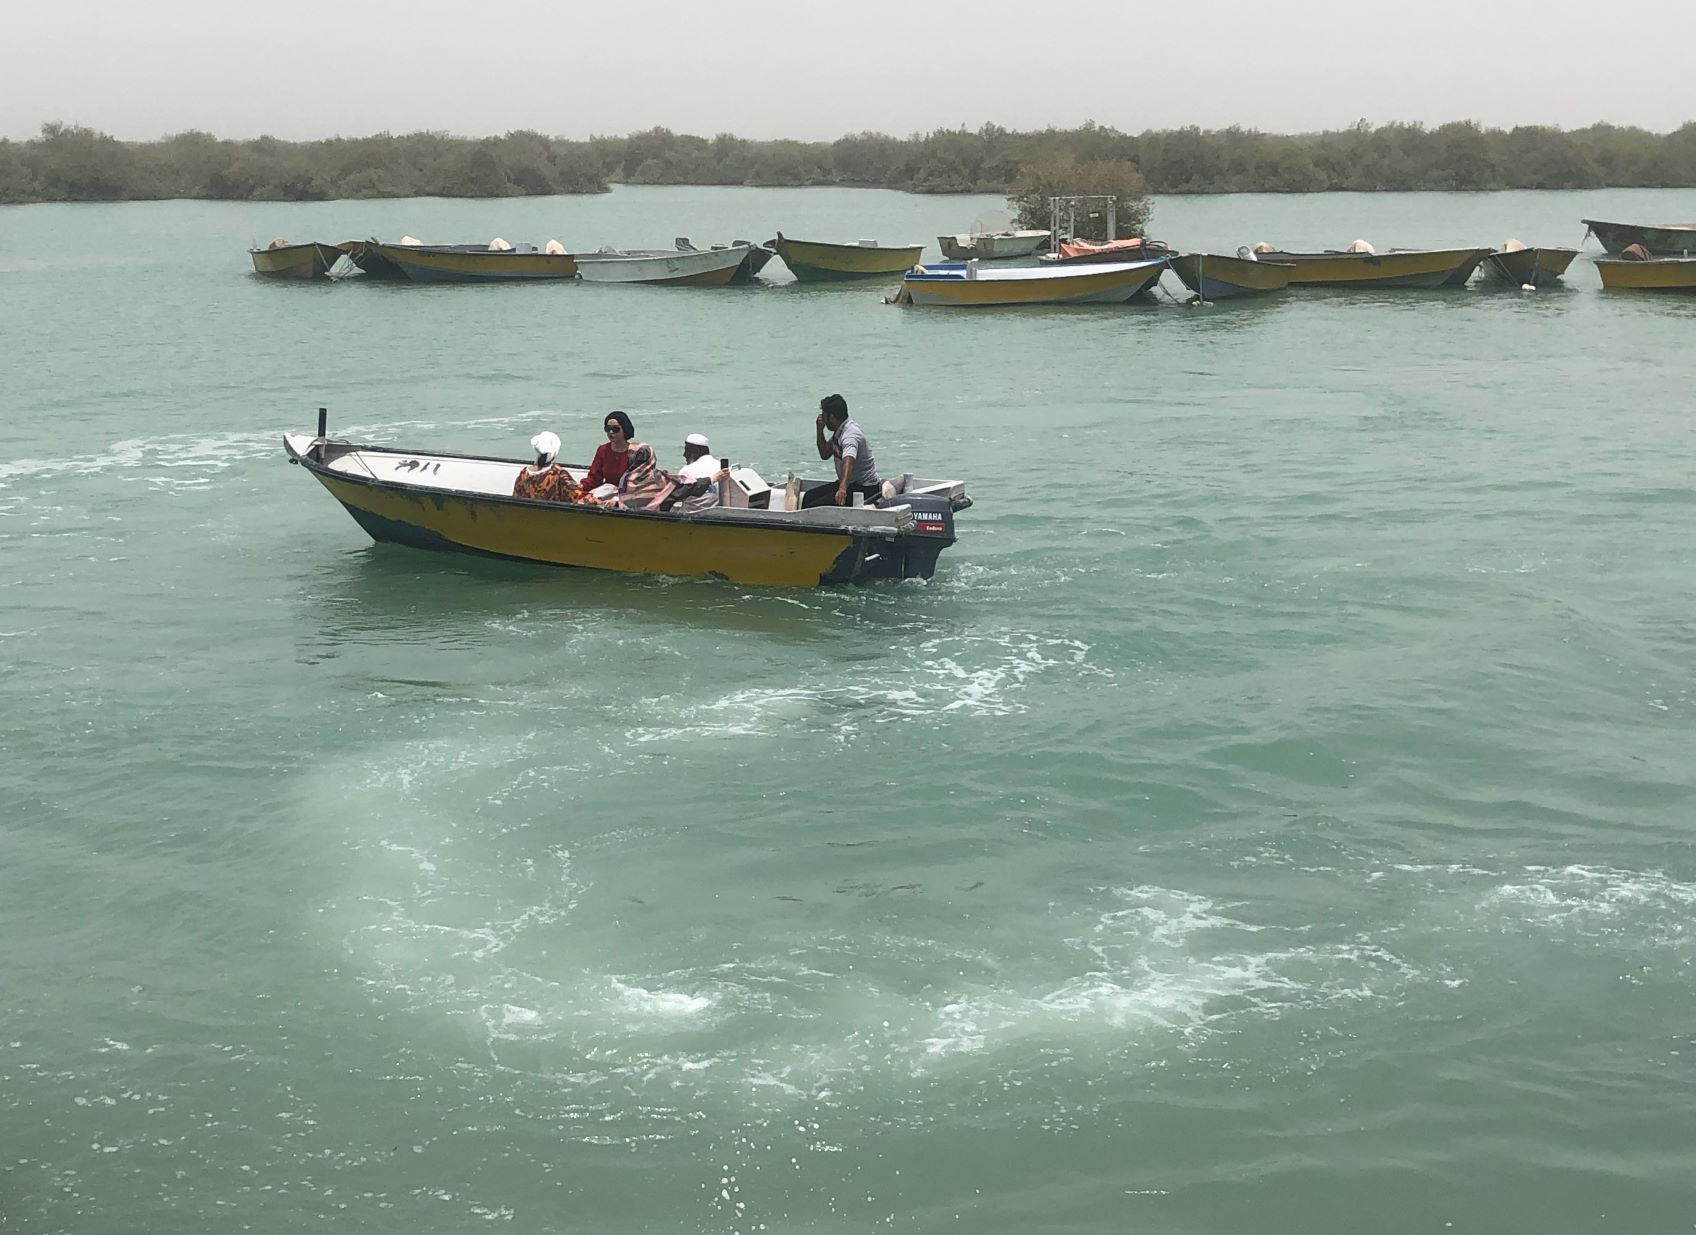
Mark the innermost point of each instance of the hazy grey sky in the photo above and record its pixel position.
(763, 68)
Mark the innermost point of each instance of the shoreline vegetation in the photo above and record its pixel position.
(70, 163)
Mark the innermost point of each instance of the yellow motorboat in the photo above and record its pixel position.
(1654, 274)
(282, 260)
(815, 261)
(1395, 268)
(464, 504)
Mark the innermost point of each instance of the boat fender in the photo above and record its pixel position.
(1527, 287)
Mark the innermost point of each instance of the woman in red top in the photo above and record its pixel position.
(612, 460)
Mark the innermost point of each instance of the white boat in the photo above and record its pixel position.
(964, 283)
(991, 246)
(676, 267)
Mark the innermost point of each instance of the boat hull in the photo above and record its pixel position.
(466, 264)
(1663, 241)
(700, 268)
(1214, 276)
(815, 262)
(1538, 267)
(295, 261)
(754, 259)
(1398, 268)
(1663, 274)
(947, 285)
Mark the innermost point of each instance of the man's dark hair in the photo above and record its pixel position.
(834, 407)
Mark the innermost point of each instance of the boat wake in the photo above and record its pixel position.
(975, 675)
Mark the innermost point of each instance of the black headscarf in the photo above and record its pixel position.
(624, 421)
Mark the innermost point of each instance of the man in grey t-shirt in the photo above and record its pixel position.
(845, 442)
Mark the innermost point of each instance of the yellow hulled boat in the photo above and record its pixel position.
(811, 260)
(464, 504)
(465, 263)
(1395, 268)
(280, 260)
(1213, 276)
(1657, 274)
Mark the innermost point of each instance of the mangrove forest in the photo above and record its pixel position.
(70, 163)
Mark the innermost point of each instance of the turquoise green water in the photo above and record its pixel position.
(1274, 816)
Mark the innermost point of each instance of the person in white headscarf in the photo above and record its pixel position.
(545, 480)
(698, 479)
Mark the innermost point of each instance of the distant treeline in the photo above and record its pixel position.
(71, 163)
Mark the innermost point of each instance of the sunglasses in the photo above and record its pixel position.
(615, 428)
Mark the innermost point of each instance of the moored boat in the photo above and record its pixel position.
(1214, 276)
(812, 260)
(1399, 268)
(1084, 252)
(464, 504)
(754, 258)
(991, 246)
(666, 267)
(467, 263)
(1653, 274)
(372, 264)
(1663, 238)
(1524, 266)
(281, 260)
(964, 284)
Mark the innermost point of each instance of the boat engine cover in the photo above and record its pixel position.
(933, 515)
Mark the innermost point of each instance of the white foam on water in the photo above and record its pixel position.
(1167, 965)
(214, 452)
(661, 1005)
(1595, 900)
(971, 675)
(513, 1015)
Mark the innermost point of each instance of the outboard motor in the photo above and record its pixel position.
(933, 531)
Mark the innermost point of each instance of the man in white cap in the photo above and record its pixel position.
(545, 480)
(697, 480)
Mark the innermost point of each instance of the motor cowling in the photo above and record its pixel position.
(933, 531)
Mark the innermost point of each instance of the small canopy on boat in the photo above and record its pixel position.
(554, 247)
(1264, 247)
(497, 245)
(1362, 246)
(412, 240)
(1511, 245)
(278, 243)
(1635, 253)
(1083, 248)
